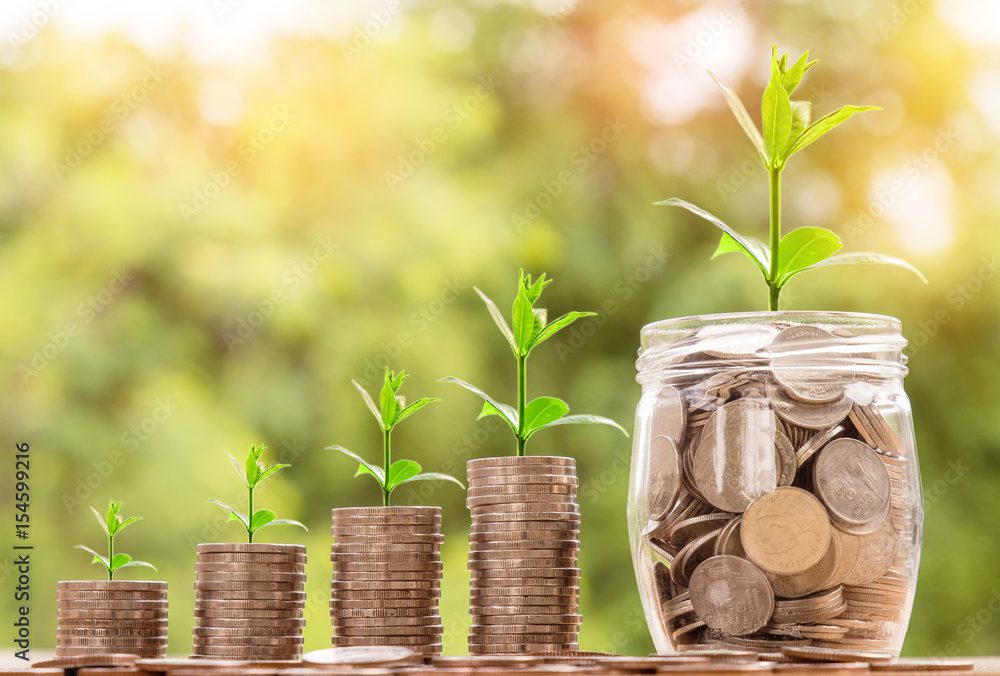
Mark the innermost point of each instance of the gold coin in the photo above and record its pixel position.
(814, 654)
(522, 489)
(377, 593)
(250, 548)
(112, 614)
(100, 596)
(786, 531)
(118, 604)
(493, 551)
(251, 558)
(112, 586)
(384, 584)
(420, 569)
(852, 482)
(523, 479)
(222, 586)
(252, 577)
(553, 587)
(876, 553)
(818, 416)
(241, 567)
(800, 365)
(249, 595)
(566, 572)
(531, 619)
(341, 621)
(520, 461)
(412, 510)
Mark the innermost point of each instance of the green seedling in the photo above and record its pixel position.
(788, 129)
(390, 411)
(112, 524)
(252, 472)
(528, 329)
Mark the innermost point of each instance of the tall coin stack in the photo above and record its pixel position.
(387, 577)
(524, 543)
(105, 616)
(249, 601)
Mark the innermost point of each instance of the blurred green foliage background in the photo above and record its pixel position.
(213, 215)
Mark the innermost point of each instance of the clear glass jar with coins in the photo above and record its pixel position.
(775, 497)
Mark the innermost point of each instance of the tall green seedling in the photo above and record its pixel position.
(528, 329)
(252, 472)
(391, 410)
(788, 129)
(113, 523)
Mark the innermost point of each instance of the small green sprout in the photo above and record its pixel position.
(787, 130)
(112, 524)
(252, 472)
(391, 411)
(529, 328)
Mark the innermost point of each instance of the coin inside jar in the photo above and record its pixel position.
(802, 369)
(664, 476)
(730, 594)
(786, 531)
(853, 483)
(736, 460)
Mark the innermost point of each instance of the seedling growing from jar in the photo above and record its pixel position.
(252, 472)
(528, 329)
(788, 129)
(112, 524)
(390, 411)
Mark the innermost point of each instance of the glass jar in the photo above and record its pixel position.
(774, 497)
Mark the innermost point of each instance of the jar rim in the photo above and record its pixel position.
(840, 317)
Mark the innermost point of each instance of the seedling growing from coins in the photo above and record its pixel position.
(252, 472)
(390, 411)
(788, 129)
(528, 329)
(112, 524)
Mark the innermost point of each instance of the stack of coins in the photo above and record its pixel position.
(773, 466)
(524, 544)
(249, 601)
(121, 616)
(387, 577)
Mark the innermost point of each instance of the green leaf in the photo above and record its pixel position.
(557, 325)
(119, 560)
(761, 253)
(498, 319)
(413, 408)
(261, 518)
(801, 115)
(101, 520)
(866, 257)
(251, 468)
(387, 401)
(743, 117)
(134, 563)
(804, 247)
(239, 468)
(97, 557)
(271, 470)
(541, 412)
(523, 321)
(122, 525)
(369, 403)
(825, 124)
(749, 248)
(791, 77)
(508, 412)
(431, 476)
(400, 471)
(511, 422)
(234, 514)
(285, 522)
(532, 289)
(373, 470)
(776, 111)
(112, 516)
(584, 419)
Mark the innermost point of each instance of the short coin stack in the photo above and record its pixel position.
(387, 577)
(249, 601)
(524, 544)
(104, 616)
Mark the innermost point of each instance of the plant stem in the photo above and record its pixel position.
(774, 201)
(522, 371)
(249, 513)
(111, 555)
(386, 461)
